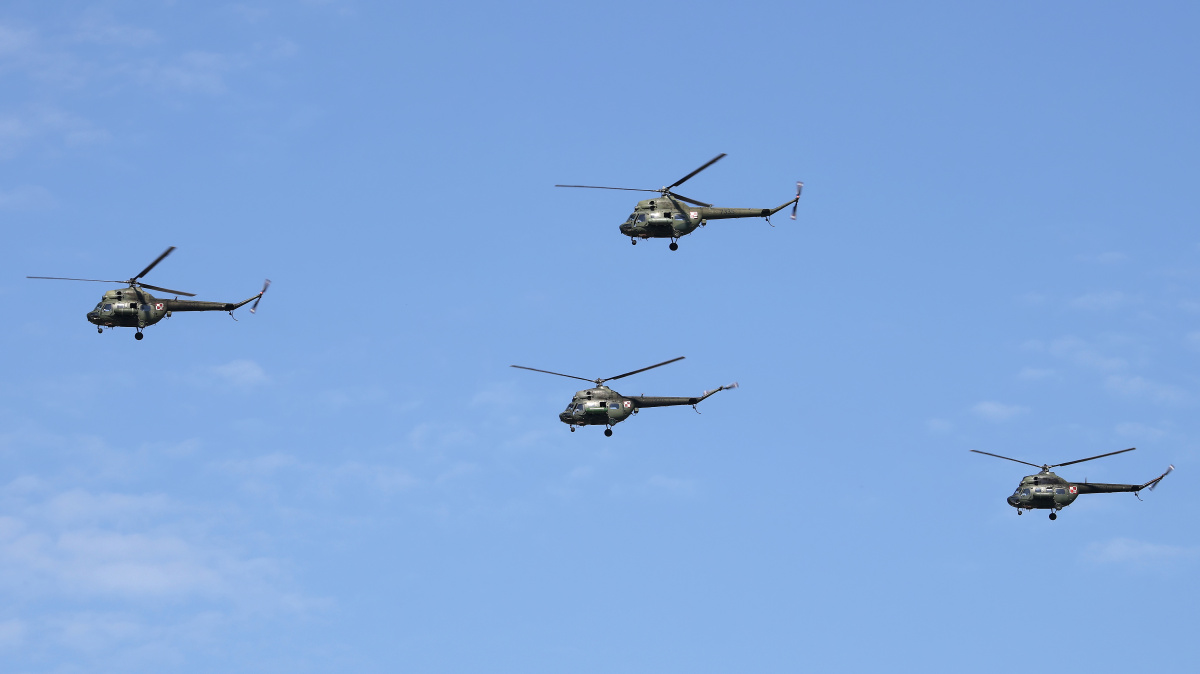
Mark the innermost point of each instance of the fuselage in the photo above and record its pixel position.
(599, 406)
(1044, 491)
(662, 218)
(127, 308)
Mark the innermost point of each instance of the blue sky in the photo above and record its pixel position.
(995, 250)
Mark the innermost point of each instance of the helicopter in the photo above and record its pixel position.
(667, 217)
(602, 406)
(1047, 491)
(133, 307)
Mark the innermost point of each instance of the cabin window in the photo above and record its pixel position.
(679, 216)
(1060, 491)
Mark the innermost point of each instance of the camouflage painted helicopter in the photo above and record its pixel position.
(1047, 491)
(133, 307)
(602, 406)
(667, 217)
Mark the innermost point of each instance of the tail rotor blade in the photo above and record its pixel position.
(1160, 477)
(254, 307)
(796, 203)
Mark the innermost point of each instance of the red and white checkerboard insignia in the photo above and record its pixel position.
(628, 404)
(158, 306)
(1073, 489)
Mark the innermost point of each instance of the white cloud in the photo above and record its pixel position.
(1130, 429)
(1033, 373)
(98, 27)
(1079, 352)
(1140, 387)
(25, 198)
(939, 426)
(12, 634)
(1111, 257)
(243, 373)
(1102, 301)
(1135, 552)
(123, 547)
(997, 412)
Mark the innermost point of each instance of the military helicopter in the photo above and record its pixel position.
(1047, 491)
(667, 217)
(602, 406)
(133, 307)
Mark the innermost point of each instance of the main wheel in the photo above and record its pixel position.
(608, 432)
(572, 429)
(1053, 516)
(633, 241)
(100, 330)
(137, 336)
(673, 246)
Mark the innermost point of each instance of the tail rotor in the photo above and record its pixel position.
(254, 307)
(796, 203)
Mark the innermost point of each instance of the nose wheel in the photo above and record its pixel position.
(572, 429)
(633, 240)
(608, 432)
(673, 246)
(1053, 516)
(100, 330)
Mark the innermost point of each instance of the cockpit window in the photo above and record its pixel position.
(107, 307)
(641, 218)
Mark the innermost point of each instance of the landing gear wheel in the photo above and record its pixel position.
(608, 432)
(633, 241)
(1020, 512)
(1053, 516)
(100, 330)
(137, 336)
(572, 429)
(673, 246)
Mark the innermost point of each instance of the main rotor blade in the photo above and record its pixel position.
(688, 177)
(597, 187)
(167, 290)
(665, 362)
(1099, 456)
(1005, 457)
(63, 278)
(569, 376)
(156, 261)
(690, 201)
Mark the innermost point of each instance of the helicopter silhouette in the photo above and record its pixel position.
(1047, 491)
(602, 406)
(672, 216)
(133, 307)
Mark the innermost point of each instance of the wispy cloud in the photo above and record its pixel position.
(997, 412)
(1078, 352)
(25, 198)
(1140, 387)
(1103, 301)
(1034, 373)
(1134, 430)
(939, 426)
(1130, 551)
(242, 373)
